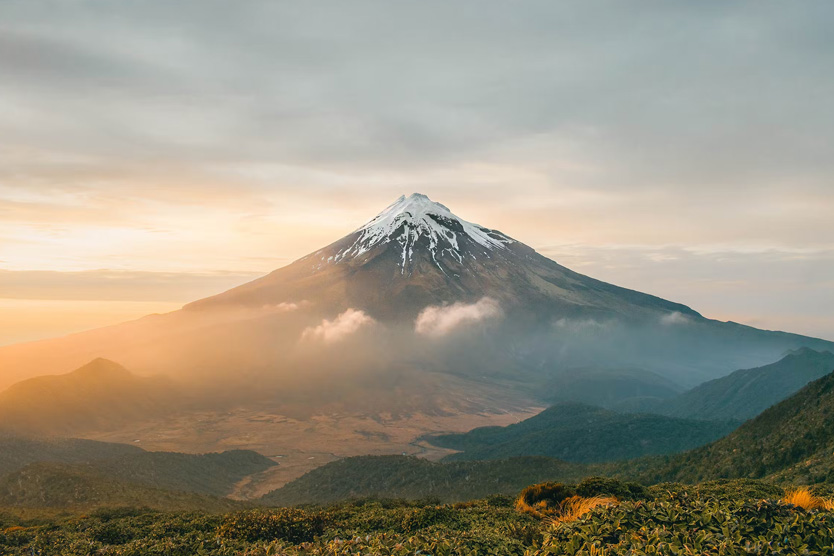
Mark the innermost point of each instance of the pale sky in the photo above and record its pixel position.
(155, 152)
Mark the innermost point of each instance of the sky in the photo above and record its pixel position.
(155, 152)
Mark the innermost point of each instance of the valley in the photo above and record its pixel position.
(298, 446)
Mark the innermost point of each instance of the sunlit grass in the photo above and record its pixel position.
(576, 506)
(805, 499)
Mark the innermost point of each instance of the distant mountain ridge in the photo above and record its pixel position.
(746, 393)
(582, 433)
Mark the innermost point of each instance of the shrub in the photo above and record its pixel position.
(288, 524)
(420, 518)
(499, 501)
(111, 533)
(604, 486)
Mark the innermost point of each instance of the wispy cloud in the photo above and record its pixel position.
(441, 320)
(331, 331)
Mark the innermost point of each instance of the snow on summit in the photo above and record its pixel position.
(416, 221)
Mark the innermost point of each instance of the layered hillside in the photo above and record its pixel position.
(792, 440)
(746, 393)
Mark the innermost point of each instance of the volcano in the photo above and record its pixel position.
(416, 305)
(417, 253)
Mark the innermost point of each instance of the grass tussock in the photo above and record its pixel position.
(805, 499)
(544, 499)
(576, 506)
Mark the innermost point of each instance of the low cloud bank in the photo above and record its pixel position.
(346, 324)
(441, 320)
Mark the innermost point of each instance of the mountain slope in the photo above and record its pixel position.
(793, 439)
(608, 387)
(583, 433)
(746, 393)
(101, 395)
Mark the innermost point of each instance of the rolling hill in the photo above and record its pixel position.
(583, 433)
(213, 474)
(18, 452)
(71, 487)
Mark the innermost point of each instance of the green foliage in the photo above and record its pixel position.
(605, 486)
(680, 524)
(285, 524)
(723, 489)
(416, 519)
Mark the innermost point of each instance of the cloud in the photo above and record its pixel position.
(673, 319)
(441, 320)
(344, 325)
(581, 325)
(285, 307)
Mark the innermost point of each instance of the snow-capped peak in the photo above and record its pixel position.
(411, 218)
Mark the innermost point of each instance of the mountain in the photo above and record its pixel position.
(746, 393)
(582, 433)
(416, 313)
(68, 487)
(414, 478)
(793, 440)
(101, 395)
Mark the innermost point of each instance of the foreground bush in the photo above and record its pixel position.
(687, 520)
(683, 525)
(285, 524)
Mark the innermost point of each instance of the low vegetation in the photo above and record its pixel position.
(723, 517)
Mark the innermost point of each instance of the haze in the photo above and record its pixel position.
(149, 157)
